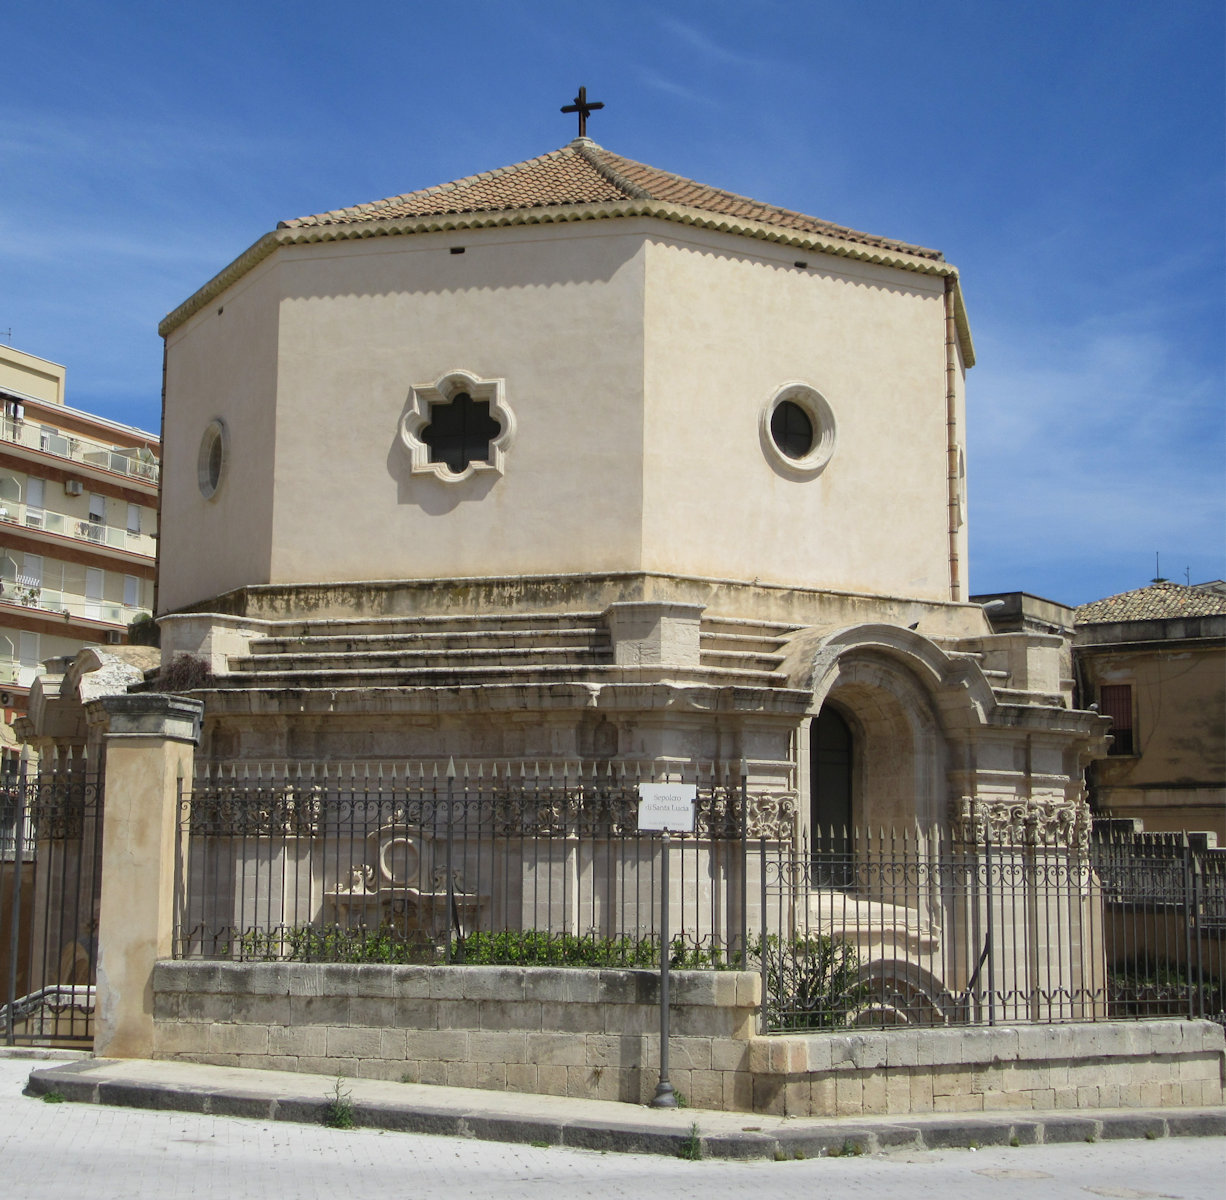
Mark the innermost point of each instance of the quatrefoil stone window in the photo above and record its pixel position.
(457, 427)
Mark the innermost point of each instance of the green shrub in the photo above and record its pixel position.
(813, 982)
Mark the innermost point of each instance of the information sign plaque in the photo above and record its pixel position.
(667, 807)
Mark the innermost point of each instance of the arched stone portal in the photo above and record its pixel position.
(887, 770)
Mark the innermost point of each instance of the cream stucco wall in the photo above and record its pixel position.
(725, 325)
(29, 375)
(221, 364)
(636, 359)
(555, 314)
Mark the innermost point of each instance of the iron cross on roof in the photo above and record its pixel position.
(581, 106)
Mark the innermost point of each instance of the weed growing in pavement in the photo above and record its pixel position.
(691, 1148)
(53, 1097)
(339, 1112)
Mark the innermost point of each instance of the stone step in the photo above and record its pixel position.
(308, 658)
(438, 641)
(445, 623)
(753, 659)
(474, 676)
(731, 635)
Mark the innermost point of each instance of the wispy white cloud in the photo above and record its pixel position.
(697, 42)
(663, 83)
(1092, 445)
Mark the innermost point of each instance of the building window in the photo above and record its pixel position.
(97, 509)
(211, 458)
(457, 426)
(791, 429)
(1115, 701)
(131, 591)
(796, 427)
(35, 497)
(460, 433)
(134, 518)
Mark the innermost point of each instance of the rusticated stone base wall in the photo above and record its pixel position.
(594, 1034)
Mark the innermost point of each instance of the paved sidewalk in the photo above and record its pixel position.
(586, 1124)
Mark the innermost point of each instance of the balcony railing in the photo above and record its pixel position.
(67, 604)
(16, 512)
(137, 462)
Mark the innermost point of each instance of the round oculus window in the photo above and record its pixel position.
(797, 431)
(791, 429)
(211, 460)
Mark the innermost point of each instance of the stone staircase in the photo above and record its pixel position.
(476, 650)
(751, 650)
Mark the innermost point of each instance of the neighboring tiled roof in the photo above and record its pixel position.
(1158, 602)
(585, 173)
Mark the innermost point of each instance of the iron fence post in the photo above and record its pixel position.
(744, 947)
(450, 839)
(665, 1097)
(1189, 919)
(987, 862)
(764, 946)
(15, 924)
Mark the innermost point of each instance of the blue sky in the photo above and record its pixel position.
(1067, 156)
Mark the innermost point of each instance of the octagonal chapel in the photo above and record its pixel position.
(577, 460)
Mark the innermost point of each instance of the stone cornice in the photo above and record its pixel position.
(561, 214)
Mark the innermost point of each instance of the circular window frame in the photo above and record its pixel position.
(813, 404)
(215, 435)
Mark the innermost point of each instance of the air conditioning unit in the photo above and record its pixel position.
(6, 698)
(73, 487)
(114, 637)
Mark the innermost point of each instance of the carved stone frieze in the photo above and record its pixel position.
(1027, 822)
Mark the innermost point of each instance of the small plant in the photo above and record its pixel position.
(539, 1144)
(813, 982)
(143, 631)
(339, 1112)
(679, 1096)
(53, 1097)
(691, 1148)
(184, 673)
(972, 1144)
(1091, 1138)
(848, 1149)
(1150, 1135)
(1015, 1141)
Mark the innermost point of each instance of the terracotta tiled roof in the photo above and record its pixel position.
(1158, 602)
(585, 173)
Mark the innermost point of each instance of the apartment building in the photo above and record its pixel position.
(78, 526)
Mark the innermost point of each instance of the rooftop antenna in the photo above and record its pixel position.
(8, 334)
(1187, 574)
(1158, 577)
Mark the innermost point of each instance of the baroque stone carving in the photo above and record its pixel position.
(1031, 822)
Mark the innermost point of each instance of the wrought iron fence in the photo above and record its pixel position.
(525, 865)
(547, 866)
(913, 928)
(50, 883)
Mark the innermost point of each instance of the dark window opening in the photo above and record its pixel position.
(830, 785)
(1115, 701)
(792, 429)
(460, 432)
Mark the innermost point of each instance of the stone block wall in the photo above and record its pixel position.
(558, 1032)
(595, 1034)
(1108, 1064)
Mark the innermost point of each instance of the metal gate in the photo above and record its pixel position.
(50, 881)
